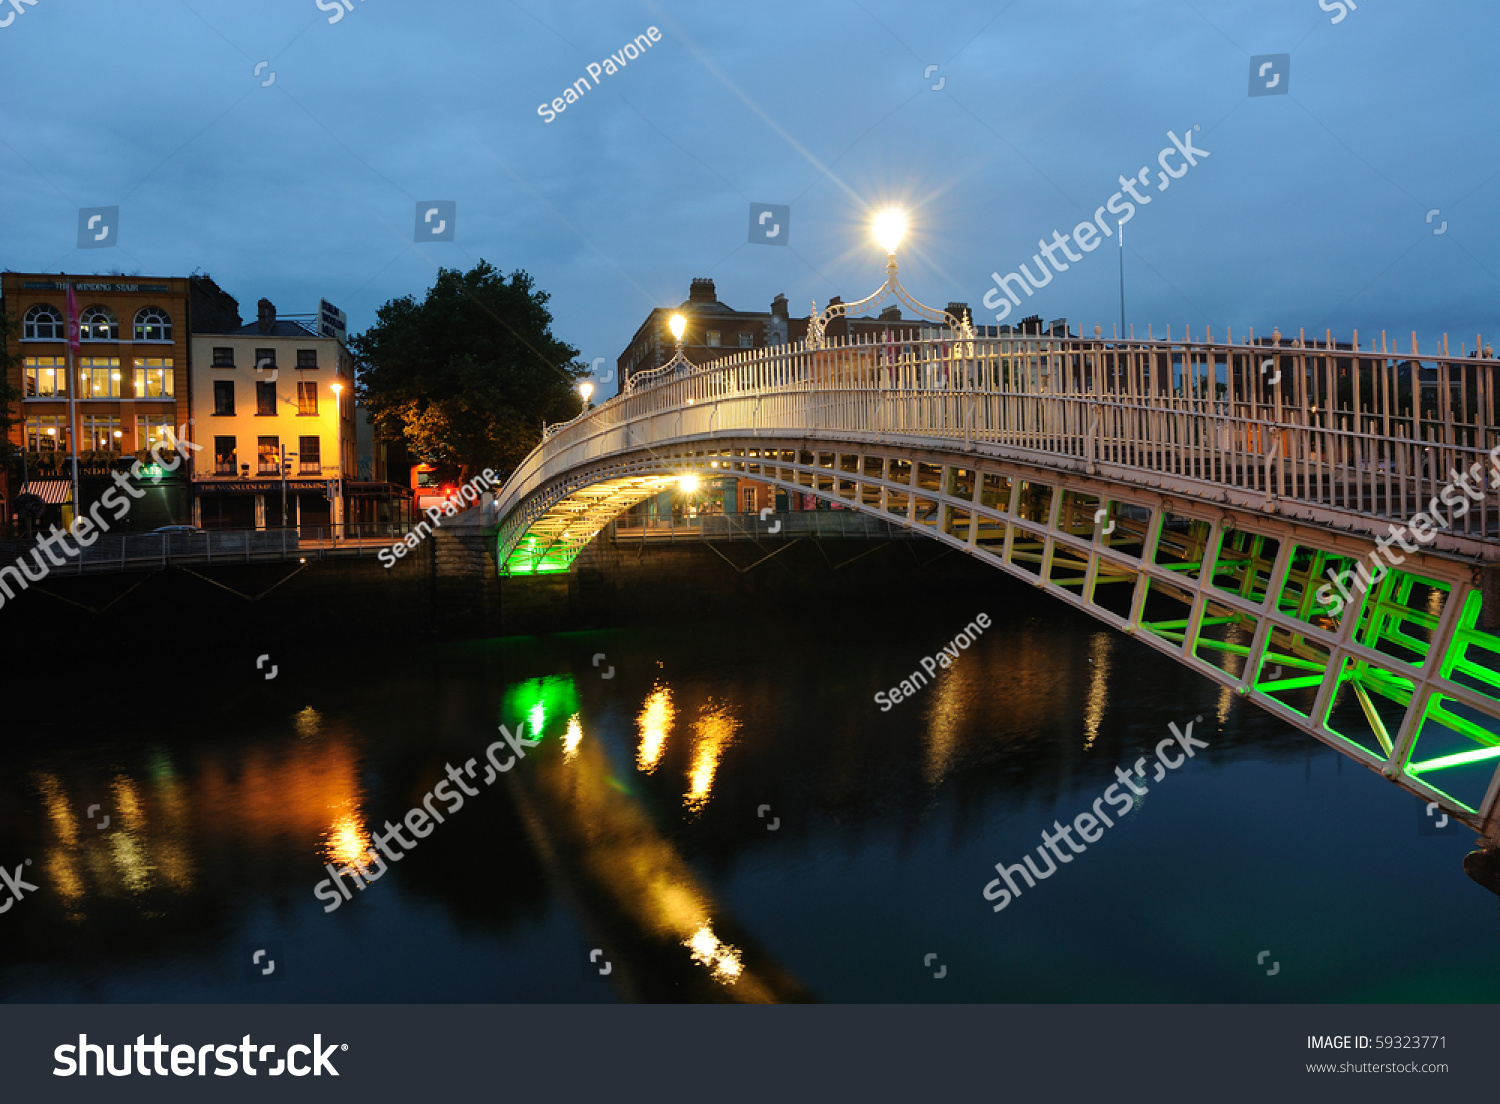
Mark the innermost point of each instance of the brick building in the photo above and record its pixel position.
(129, 384)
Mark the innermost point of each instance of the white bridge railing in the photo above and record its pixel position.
(1368, 431)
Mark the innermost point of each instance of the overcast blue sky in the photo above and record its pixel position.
(1311, 209)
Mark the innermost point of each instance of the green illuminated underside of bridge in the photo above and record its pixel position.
(1361, 701)
(1411, 688)
(554, 540)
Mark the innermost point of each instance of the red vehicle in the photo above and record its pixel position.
(428, 490)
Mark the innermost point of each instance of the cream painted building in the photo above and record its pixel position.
(273, 412)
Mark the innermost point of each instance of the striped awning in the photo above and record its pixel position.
(54, 492)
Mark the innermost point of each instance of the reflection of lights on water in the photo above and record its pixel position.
(1099, 649)
(538, 718)
(131, 861)
(654, 723)
(309, 722)
(1222, 706)
(713, 731)
(58, 810)
(720, 957)
(347, 843)
(128, 801)
(943, 728)
(573, 737)
(62, 876)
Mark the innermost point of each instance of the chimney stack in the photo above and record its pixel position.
(267, 319)
(702, 291)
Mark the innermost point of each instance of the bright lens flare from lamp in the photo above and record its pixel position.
(585, 389)
(678, 326)
(689, 483)
(889, 227)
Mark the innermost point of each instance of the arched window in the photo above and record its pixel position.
(44, 322)
(98, 323)
(153, 324)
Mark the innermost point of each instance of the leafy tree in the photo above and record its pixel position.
(469, 375)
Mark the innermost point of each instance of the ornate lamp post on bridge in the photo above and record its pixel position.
(887, 228)
(678, 364)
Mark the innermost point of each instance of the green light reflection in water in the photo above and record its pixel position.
(541, 704)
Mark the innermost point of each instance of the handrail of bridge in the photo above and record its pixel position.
(1364, 429)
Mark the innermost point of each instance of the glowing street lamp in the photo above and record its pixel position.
(678, 365)
(586, 389)
(689, 483)
(336, 499)
(887, 227)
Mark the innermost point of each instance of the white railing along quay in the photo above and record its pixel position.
(117, 552)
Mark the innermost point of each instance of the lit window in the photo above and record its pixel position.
(151, 430)
(224, 456)
(102, 432)
(307, 398)
(47, 432)
(98, 323)
(44, 323)
(153, 378)
(99, 378)
(46, 377)
(268, 451)
(153, 324)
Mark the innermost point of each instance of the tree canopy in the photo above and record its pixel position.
(471, 373)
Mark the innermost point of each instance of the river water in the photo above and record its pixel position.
(720, 812)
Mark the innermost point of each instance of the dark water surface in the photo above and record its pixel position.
(728, 816)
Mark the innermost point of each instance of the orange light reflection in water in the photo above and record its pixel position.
(167, 814)
(573, 737)
(713, 732)
(591, 820)
(347, 843)
(655, 724)
(719, 957)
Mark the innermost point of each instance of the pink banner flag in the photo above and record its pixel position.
(73, 341)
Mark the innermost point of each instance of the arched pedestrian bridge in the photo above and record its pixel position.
(1216, 500)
